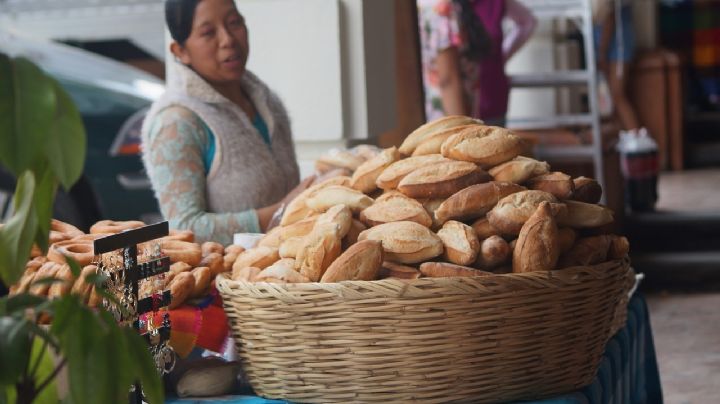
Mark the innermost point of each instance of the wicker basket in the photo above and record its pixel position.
(487, 339)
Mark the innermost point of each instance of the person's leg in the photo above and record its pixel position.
(616, 77)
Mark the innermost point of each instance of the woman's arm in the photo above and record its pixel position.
(173, 157)
(447, 63)
(607, 23)
(523, 28)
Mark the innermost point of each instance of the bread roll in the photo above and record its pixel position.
(586, 251)
(405, 242)
(421, 133)
(209, 247)
(494, 251)
(246, 274)
(484, 229)
(46, 271)
(390, 177)
(556, 183)
(487, 146)
(66, 280)
(460, 242)
(360, 262)
(475, 200)
(587, 190)
(519, 170)
(566, 238)
(440, 180)
(297, 209)
(512, 211)
(395, 208)
(339, 215)
(431, 206)
(336, 158)
(272, 238)
(391, 270)
(290, 247)
(214, 262)
(366, 151)
(365, 177)
(537, 245)
(280, 274)
(356, 227)
(619, 247)
(581, 215)
(432, 143)
(181, 287)
(445, 270)
(259, 257)
(319, 249)
(203, 276)
(299, 228)
(82, 287)
(328, 197)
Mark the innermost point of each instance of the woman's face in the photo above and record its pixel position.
(217, 48)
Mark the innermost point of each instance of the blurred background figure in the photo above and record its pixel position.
(464, 52)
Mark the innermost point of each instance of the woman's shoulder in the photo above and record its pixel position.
(179, 119)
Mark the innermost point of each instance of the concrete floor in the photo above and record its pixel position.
(686, 328)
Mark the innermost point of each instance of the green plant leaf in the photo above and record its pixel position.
(74, 267)
(29, 106)
(14, 348)
(17, 236)
(18, 303)
(66, 143)
(144, 366)
(43, 202)
(49, 394)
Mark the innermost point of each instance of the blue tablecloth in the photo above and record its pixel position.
(628, 371)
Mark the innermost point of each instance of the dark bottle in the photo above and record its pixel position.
(639, 165)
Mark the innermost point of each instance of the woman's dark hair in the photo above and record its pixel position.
(179, 18)
(478, 44)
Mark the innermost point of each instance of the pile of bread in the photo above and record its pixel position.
(455, 199)
(193, 266)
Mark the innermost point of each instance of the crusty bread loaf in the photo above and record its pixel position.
(537, 245)
(395, 208)
(405, 242)
(246, 274)
(619, 247)
(432, 143)
(181, 287)
(487, 146)
(586, 251)
(519, 170)
(431, 206)
(203, 276)
(494, 251)
(339, 215)
(356, 227)
(484, 229)
(360, 262)
(512, 211)
(214, 262)
(582, 215)
(460, 242)
(390, 177)
(440, 180)
(365, 177)
(421, 133)
(559, 184)
(281, 272)
(445, 270)
(391, 270)
(566, 238)
(332, 195)
(319, 249)
(587, 190)
(66, 280)
(259, 257)
(271, 239)
(290, 247)
(297, 209)
(338, 159)
(299, 228)
(475, 200)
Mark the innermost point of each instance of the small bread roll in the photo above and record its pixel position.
(440, 180)
(519, 170)
(586, 251)
(475, 201)
(395, 208)
(246, 274)
(360, 262)
(328, 197)
(484, 229)
(537, 245)
(512, 211)
(336, 158)
(203, 276)
(390, 177)
(356, 227)
(181, 288)
(46, 271)
(234, 249)
(391, 270)
(66, 278)
(566, 238)
(319, 249)
(556, 183)
(581, 215)
(445, 270)
(365, 177)
(209, 247)
(486, 146)
(214, 262)
(494, 251)
(431, 206)
(290, 247)
(339, 215)
(280, 274)
(461, 243)
(82, 287)
(619, 247)
(433, 142)
(272, 238)
(405, 242)
(297, 209)
(298, 229)
(424, 131)
(586, 190)
(259, 257)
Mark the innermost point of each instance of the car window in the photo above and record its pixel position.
(95, 100)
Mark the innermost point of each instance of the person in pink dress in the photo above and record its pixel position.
(464, 52)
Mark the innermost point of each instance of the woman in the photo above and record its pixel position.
(464, 52)
(217, 144)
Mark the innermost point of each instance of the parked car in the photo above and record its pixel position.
(112, 98)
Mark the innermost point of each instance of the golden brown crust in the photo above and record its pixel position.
(332, 195)
(566, 238)
(391, 270)
(390, 177)
(445, 270)
(272, 238)
(365, 177)
(484, 229)
(440, 180)
(319, 249)
(586, 251)
(356, 227)
(360, 262)
(203, 276)
(259, 257)
(460, 242)
(556, 183)
(209, 247)
(182, 251)
(215, 262)
(519, 170)
(339, 215)
(432, 143)
(290, 247)
(66, 228)
(512, 211)
(587, 190)
(394, 208)
(475, 201)
(405, 242)
(494, 251)
(582, 215)
(299, 228)
(421, 133)
(246, 274)
(112, 226)
(486, 146)
(297, 209)
(537, 245)
(619, 247)
(181, 288)
(62, 288)
(281, 272)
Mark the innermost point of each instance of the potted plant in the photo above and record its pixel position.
(42, 142)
